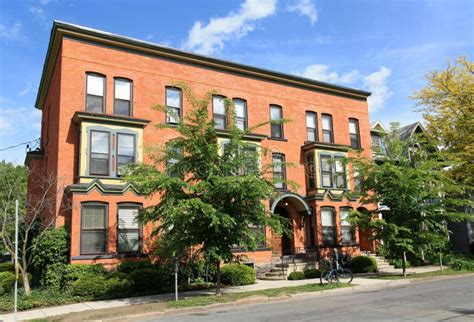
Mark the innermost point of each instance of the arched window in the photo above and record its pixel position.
(219, 112)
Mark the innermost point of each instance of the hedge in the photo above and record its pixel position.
(7, 281)
(237, 274)
(99, 287)
(296, 276)
(147, 279)
(59, 276)
(129, 267)
(7, 267)
(363, 264)
(312, 273)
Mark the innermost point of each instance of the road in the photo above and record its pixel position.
(447, 299)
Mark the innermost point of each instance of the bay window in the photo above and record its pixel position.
(125, 150)
(99, 153)
(93, 228)
(310, 170)
(333, 172)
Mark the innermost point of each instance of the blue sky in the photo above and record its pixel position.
(382, 46)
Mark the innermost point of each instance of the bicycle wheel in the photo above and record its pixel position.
(344, 277)
(326, 277)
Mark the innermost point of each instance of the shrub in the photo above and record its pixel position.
(462, 264)
(147, 279)
(363, 264)
(59, 275)
(117, 287)
(7, 267)
(53, 248)
(90, 287)
(296, 276)
(120, 275)
(128, 267)
(7, 280)
(312, 273)
(237, 274)
(398, 263)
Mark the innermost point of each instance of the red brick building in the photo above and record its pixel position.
(96, 94)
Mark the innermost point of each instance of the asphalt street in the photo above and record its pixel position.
(447, 299)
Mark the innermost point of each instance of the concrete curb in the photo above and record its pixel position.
(86, 306)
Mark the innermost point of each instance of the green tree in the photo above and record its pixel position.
(209, 194)
(32, 223)
(447, 104)
(412, 191)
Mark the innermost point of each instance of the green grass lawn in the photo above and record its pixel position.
(445, 272)
(229, 297)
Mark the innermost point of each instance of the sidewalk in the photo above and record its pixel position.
(260, 285)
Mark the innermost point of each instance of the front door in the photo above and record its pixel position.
(284, 244)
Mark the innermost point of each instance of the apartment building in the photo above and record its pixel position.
(96, 96)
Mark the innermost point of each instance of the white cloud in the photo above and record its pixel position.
(207, 39)
(27, 89)
(38, 13)
(377, 84)
(323, 74)
(10, 33)
(304, 8)
(15, 119)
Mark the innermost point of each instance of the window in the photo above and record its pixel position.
(354, 133)
(95, 92)
(310, 170)
(99, 153)
(276, 117)
(326, 171)
(250, 160)
(340, 172)
(128, 229)
(333, 172)
(171, 163)
(240, 113)
(311, 126)
(357, 182)
(259, 233)
(123, 97)
(328, 136)
(174, 105)
(327, 222)
(219, 110)
(93, 228)
(125, 149)
(347, 229)
(279, 173)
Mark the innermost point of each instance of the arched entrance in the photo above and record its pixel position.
(300, 224)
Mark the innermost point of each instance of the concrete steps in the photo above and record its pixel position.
(383, 265)
(280, 271)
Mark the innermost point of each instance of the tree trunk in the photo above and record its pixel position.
(441, 261)
(404, 264)
(218, 277)
(26, 282)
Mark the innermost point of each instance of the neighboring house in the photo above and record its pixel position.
(96, 94)
(461, 233)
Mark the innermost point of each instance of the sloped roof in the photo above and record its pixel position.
(408, 130)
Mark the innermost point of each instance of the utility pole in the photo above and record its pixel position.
(16, 261)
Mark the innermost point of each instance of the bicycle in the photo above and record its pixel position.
(338, 274)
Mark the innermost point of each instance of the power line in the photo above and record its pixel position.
(19, 144)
